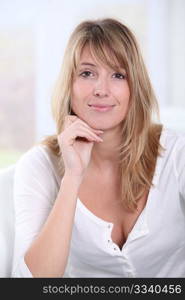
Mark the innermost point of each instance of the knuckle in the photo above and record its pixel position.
(60, 136)
(68, 120)
(72, 118)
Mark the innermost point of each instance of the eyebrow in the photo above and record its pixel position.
(92, 65)
(87, 64)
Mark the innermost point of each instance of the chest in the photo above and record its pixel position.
(104, 201)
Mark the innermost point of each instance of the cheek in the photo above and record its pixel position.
(126, 90)
(81, 92)
(81, 88)
(75, 90)
(77, 99)
(75, 105)
(75, 95)
(123, 95)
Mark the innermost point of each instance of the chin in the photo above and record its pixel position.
(101, 125)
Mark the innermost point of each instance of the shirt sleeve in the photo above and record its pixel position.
(180, 165)
(35, 190)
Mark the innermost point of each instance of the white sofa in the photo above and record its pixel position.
(6, 220)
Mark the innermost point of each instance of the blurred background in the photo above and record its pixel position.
(33, 36)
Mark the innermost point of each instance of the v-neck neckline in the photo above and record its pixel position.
(140, 227)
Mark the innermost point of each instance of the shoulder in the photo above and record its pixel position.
(172, 140)
(174, 145)
(35, 156)
(36, 176)
(38, 161)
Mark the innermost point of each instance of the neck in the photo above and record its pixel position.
(105, 155)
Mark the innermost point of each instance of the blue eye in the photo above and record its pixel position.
(119, 76)
(86, 74)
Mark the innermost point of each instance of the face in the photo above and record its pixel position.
(100, 95)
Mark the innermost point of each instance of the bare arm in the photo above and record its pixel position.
(48, 254)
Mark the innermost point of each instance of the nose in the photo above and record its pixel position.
(101, 88)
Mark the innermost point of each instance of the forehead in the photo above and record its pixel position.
(88, 56)
(105, 57)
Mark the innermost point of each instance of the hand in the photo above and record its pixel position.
(76, 142)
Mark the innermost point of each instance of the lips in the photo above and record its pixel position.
(101, 107)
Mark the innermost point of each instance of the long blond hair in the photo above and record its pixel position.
(114, 44)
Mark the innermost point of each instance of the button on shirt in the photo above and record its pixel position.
(154, 248)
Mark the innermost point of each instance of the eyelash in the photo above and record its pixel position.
(85, 72)
(120, 74)
(88, 72)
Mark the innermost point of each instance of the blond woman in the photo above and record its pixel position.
(105, 196)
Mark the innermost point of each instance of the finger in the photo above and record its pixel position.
(84, 133)
(97, 131)
(83, 139)
(80, 121)
(89, 131)
(83, 124)
(69, 120)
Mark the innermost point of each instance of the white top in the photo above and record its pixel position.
(156, 245)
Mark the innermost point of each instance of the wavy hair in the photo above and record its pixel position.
(113, 43)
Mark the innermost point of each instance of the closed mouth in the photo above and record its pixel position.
(101, 105)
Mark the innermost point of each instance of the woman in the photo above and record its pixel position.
(105, 196)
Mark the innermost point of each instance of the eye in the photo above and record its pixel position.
(119, 76)
(86, 74)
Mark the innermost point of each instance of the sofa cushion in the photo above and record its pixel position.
(6, 221)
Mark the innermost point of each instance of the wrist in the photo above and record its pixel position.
(73, 178)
